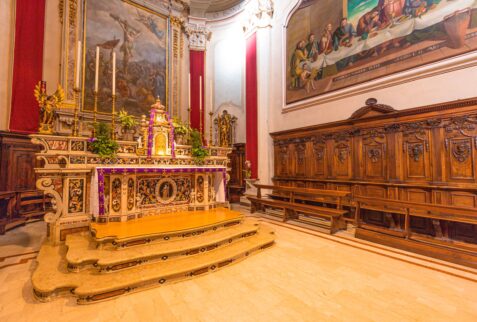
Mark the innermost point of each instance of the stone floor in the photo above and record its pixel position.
(306, 276)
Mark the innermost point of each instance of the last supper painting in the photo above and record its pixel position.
(361, 40)
(138, 37)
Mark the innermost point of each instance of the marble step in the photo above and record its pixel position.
(153, 230)
(52, 278)
(83, 252)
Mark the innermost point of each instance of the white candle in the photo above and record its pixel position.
(189, 90)
(200, 103)
(211, 96)
(200, 94)
(96, 75)
(78, 65)
(114, 73)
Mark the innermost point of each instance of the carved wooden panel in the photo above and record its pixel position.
(416, 156)
(460, 158)
(462, 199)
(373, 157)
(341, 165)
(417, 195)
(319, 159)
(300, 159)
(282, 160)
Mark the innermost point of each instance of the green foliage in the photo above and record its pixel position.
(102, 144)
(198, 151)
(127, 121)
(179, 127)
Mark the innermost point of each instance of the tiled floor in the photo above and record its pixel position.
(302, 278)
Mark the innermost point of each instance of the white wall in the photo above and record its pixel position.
(225, 66)
(457, 84)
(7, 32)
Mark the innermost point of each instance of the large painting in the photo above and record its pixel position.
(139, 38)
(333, 44)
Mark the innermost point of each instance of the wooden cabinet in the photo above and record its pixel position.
(17, 162)
(236, 184)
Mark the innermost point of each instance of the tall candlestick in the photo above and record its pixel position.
(113, 117)
(75, 128)
(200, 104)
(78, 65)
(188, 106)
(96, 75)
(210, 129)
(114, 74)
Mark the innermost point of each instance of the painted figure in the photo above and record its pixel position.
(343, 35)
(129, 34)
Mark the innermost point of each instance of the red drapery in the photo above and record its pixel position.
(197, 63)
(251, 150)
(27, 65)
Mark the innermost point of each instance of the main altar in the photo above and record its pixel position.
(150, 176)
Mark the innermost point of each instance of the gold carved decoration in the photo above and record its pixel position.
(48, 105)
(61, 10)
(73, 5)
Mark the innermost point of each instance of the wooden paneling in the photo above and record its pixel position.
(422, 155)
(17, 162)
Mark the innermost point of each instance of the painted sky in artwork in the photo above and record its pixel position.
(357, 7)
(147, 48)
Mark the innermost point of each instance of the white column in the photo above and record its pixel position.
(264, 83)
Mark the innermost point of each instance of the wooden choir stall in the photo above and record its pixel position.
(411, 174)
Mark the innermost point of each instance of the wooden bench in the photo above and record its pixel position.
(9, 218)
(401, 234)
(31, 205)
(330, 219)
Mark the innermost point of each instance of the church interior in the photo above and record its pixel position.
(238, 160)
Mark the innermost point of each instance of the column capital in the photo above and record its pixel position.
(198, 34)
(259, 14)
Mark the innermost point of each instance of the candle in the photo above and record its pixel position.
(78, 65)
(189, 90)
(211, 96)
(96, 75)
(200, 104)
(114, 73)
(200, 94)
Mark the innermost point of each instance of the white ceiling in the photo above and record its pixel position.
(199, 8)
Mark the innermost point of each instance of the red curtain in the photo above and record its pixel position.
(27, 65)
(197, 63)
(251, 101)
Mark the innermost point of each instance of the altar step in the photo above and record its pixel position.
(83, 251)
(163, 227)
(52, 277)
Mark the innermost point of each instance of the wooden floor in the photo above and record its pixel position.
(304, 277)
(164, 223)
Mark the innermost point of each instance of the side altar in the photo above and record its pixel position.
(150, 176)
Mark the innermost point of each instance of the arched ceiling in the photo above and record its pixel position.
(200, 8)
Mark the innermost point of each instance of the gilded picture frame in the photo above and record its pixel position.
(140, 37)
(405, 37)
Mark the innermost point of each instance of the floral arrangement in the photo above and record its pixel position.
(179, 127)
(126, 120)
(102, 144)
(198, 151)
